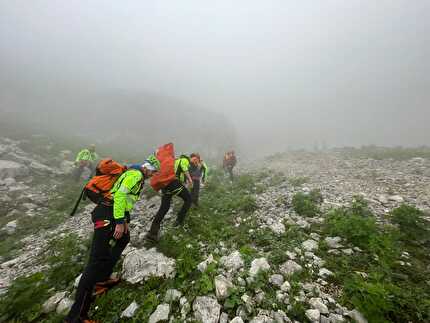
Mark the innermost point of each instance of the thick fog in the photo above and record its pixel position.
(283, 74)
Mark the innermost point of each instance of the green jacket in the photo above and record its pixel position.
(86, 154)
(182, 165)
(205, 170)
(126, 193)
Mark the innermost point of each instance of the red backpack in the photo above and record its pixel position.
(166, 156)
(99, 186)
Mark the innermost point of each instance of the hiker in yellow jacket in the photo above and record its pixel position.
(85, 159)
(111, 236)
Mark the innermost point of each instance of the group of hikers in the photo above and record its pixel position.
(115, 189)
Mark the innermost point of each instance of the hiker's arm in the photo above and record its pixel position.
(185, 165)
(205, 172)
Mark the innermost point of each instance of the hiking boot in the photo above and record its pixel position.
(151, 238)
(109, 283)
(99, 290)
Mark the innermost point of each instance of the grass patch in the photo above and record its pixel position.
(307, 204)
(392, 290)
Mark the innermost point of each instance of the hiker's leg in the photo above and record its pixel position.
(185, 195)
(166, 200)
(195, 191)
(230, 171)
(100, 257)
(117, 250)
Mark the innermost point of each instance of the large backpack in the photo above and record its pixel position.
(107, 173)
(166, 174)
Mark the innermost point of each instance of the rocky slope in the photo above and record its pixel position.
(248, 254)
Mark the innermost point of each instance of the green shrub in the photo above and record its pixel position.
(373, 298)
(305, 204)
(66, 257)
(360, 207)
(410, 221)
(24, 298)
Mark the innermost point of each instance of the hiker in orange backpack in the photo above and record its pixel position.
(229, 162)
(115, 189)
(170, 180)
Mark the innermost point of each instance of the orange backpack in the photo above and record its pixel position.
(99, 186)
(166, 156)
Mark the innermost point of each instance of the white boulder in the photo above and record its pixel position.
(160, 314)
(233, 261)
(290, 267)
(130, 310)
(258, 265)
(206, 309)
(141, 264)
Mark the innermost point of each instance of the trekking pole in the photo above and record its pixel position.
(77, 202)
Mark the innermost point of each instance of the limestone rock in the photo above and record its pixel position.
(172, 295)
(161, 314)
(324, 273)
(276, 280)
(313, 315)
(64, 306)
(357, 316)
(318, 304)
(141, 264)
(130, 310)
(290, 267)
(51, 304)
(206, 309)
(310, 245)
(233, 261)
(10, 227)
(333, 242)
(262, 319)
(222, 287)
(258, 265)
(277, 228)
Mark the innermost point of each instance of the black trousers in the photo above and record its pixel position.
(173, 189)
(229, 169)
(105, 253)
(195, 191)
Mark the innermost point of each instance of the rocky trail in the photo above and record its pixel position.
(274, 246)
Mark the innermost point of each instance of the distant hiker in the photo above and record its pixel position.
(170, 180)
(85, 159)
(229, 163)
(198, 172)
(111, 218)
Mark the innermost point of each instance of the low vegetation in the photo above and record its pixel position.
(386, 278)
(307, 204)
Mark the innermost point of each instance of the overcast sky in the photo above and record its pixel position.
(286, 73)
